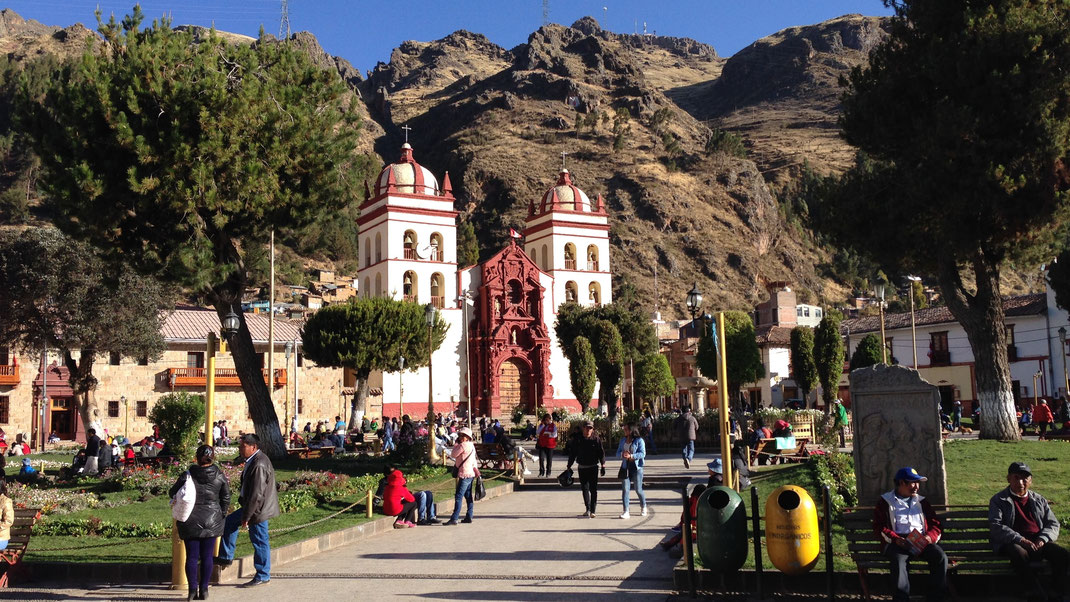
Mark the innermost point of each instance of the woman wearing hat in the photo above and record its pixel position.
(464, 458)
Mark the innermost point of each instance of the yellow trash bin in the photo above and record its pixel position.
(792, 538)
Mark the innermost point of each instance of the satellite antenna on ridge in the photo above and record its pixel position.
(284, 24)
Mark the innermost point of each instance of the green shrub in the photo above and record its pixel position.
(837, 471)
(726, 142)
(95, 527)
(180, 417)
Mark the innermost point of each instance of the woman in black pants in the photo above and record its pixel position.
(587, 453)
(205, 524)
(546, 442)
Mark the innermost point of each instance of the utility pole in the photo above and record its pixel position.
(284, 23)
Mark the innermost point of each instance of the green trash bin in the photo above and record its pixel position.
(721, 523)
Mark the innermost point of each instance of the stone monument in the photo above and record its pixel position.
(895, 417)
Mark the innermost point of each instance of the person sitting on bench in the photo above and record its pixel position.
(1024, 528)
(907, 527)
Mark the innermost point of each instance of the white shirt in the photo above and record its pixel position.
(907, 515)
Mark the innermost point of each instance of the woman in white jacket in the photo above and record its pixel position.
(464, 458)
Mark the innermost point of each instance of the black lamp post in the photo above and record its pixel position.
(694, 300)
(231, 324)
(878, 288)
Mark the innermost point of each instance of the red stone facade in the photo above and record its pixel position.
(509, 343)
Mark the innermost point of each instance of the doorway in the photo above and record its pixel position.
(514, 386)
(61, 418)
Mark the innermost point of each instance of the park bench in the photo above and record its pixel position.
(490, 454)
(308, 453)
(767, 449)
(25, 518)
(964, 540)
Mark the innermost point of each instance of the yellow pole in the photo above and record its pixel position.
(368, 504)
(209, 395)
(722, 387)
(178, 559)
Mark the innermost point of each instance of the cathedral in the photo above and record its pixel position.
(501, 348)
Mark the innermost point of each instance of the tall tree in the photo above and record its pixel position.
(828, 355)
(60, 294)
(180, 155)
(654, 377)
(369, 334)
(868, 352)
(744, 359)
(803, 366)
(582, 371)
(467, 245)
(963, 124)
(609, 355)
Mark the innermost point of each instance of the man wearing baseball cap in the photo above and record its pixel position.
(586, 451)
(907, 526)
(1023, 527)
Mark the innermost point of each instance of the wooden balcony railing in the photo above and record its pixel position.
(570, 264)
(9, 375)
(439, 302)
(224, 377)
(409, 298)
(410, 253)
(940, 358)
(592, 266)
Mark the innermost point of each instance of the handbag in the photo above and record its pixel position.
(478, 490)
(622, 473)
(185, 498)
(456, 466)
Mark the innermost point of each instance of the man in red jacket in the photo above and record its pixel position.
(907, 526)
(1042, 417)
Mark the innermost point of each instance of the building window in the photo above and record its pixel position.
(436, 247)
(571, 292)
(806, 312)
(592, 258)
(438, 291)
(114, 359)
(142, 408)
(1010, 334)
(817, 313)
(194, 359)
(113, 409)
(570, 256)
(378, 247)
(300, 406)
(300, 360)
(939, 354)
(409, 288)
(798, 311)
(410, 244)
(4, 405)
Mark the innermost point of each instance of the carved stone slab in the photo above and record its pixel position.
(895, 416)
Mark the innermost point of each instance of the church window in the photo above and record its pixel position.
(367, 287)
(378, 247)
(367, 253)
(594, 294)
(546, 265)
(592, 258)
(409, 286)
(570, 256)
(438, 292)
(378, 285)
(410, 244)
(516, 292)
(534, 253)
(436, 247)
(570, 292)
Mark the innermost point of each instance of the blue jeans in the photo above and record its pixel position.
(258, 536)
(635, 478)
(464, 492)
(425, 505)
(689, 450)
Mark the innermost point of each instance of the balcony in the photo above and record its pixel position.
(438, 301)
(570, 264)
(592, 266)
(940, 358)
(409, 298)
(9, 375)
(224, 377)
(410, 253)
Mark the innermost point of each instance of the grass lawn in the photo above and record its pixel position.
(976, 470)
(130, 510)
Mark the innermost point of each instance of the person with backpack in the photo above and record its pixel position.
(205, 522)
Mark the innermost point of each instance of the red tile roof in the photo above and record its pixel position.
(1022, 305)
(777, 336)
(191, 324)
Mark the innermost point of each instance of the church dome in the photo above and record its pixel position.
(407, 176)
(564, 196)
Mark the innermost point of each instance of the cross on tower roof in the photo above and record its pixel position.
(563, 155)
(406, 128)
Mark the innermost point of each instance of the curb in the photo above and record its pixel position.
(128, 573)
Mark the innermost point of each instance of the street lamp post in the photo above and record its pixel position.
(287, 350)
(231, 325)
(429, 318)
(126, 419)
(913, 332)
(694, 301)
(878, 288)
(1035, 377)
(401, 386)
(1062, 352)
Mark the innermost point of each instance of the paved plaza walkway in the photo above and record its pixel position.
(528, 545)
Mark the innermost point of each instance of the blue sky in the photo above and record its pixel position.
(365, 32)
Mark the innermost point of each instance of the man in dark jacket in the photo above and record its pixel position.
(687, 429)
(92, 452)
(1023, 527)
(586, 451)
(259, 503)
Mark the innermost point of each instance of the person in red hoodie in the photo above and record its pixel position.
(1042, 417)
(906, 526)
(398, 500)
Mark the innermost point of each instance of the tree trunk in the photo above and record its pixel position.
(360, 402)
(251, 375)
(981, 316)
(84, 384)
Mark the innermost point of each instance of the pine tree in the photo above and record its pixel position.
(803, 367)
(828, 355)
(582, 371)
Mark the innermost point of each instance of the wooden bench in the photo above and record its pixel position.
(492, 454)
(25, 518)
(768, 448)
(308, 453)
(964, 540)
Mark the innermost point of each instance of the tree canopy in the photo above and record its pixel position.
(803, 365)
(963, 126)
(369, 334)
(653, 377)
(59, 293)
(582, 373)
(744, 359)
(179, 154)
(867, 353)
(828, 355)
